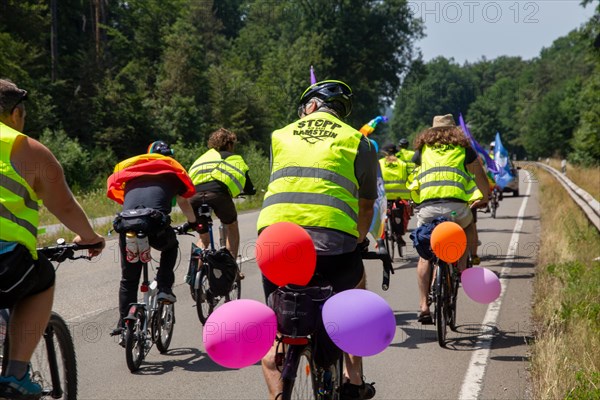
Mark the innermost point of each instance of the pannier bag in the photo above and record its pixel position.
(146, 220)
(298, 308)
(222, 271)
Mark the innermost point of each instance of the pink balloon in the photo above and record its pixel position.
(239, 333)
(481, 284)
(359, 322)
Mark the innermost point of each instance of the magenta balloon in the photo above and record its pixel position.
(359, 322)
(481, 284)
(239, 333)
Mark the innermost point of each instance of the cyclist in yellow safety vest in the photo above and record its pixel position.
(219, 175)
(395, 177)
(324, 178)
(29, 175)
(405, 154)
(448, 178)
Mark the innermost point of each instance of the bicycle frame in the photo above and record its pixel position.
(199, 267)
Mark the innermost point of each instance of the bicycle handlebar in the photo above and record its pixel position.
(66, 251)
(387, 265)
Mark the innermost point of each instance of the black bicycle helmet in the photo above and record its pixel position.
(403, 143)
(390, 148)
(160, 147)
(336, 94)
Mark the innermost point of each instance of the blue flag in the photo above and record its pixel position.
(489, 163)
(503, 176)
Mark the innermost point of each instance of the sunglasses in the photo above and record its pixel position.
(21, 99)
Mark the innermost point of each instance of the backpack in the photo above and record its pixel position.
(222, 271)
(421, 238)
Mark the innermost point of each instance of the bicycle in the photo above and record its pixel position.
(147, 323)
(395, 226)
(53, 364)
(302, 377)
(201, 267)
(443, 294)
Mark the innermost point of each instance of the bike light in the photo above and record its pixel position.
(143, 288)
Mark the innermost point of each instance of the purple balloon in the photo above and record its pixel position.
(359, 322)
(481, 284)
(239, 333)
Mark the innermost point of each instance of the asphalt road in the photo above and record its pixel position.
(487, 358)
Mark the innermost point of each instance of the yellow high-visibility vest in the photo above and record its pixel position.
(210, 166)
(313, 182)
(19, 204)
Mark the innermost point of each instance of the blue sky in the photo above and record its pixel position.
(470, 29)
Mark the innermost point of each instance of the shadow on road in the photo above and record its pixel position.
(195, 361)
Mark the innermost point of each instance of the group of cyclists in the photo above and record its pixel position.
(323, 178)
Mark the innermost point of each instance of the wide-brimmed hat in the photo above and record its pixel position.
(443, 121)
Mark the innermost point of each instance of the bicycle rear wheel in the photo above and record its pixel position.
(204, 299)
(53, 364)
(135, 341)
(302, 387)
(440, 304)
(389, 239)
(164, 325)
(236, 290)
(329, 381)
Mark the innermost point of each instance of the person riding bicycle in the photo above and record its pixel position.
(404, 154)
(324, 178)
(395, 175)
(150, 181)
(219, 175)
(448, 178)
(26, 277)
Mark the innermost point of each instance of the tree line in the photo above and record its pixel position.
(106, 78)
(545, 107)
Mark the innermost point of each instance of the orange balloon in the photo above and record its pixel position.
(285, 253)
(448, 241)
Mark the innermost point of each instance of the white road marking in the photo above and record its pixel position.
(473, 381)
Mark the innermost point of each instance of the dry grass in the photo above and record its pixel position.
(566, 354)
(586, 178)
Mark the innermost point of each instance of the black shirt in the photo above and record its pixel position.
(153, 191)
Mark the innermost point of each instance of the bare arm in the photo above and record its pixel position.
(45, 175)
(365, 216)
(481, 181)
(186, 208)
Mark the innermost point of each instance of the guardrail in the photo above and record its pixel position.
(587, 203)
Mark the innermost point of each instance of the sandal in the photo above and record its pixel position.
(425, 318)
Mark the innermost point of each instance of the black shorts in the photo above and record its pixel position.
(221, 203)
(343, 272)
(18, 281)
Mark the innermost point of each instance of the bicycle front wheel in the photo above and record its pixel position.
(53, 364)
(135, 341)
(440, 304)
(165, 323)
